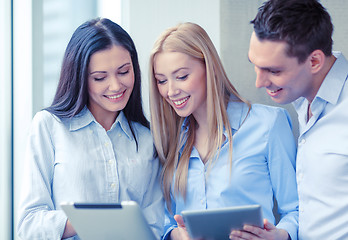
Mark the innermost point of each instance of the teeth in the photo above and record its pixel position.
(181, 101)
(115, 96)
(275, 91)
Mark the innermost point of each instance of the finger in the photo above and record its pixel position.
(254, 230)
(179, 220)
(268, 225)
(236, 234)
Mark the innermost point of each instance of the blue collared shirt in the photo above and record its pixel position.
(76, 160)
(322, 158)
(263, 167)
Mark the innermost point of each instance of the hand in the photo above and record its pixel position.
(179, 233)
(270, 232)
(69, 231)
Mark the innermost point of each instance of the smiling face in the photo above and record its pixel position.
(181, 81)
(110, 82)
(283, 77)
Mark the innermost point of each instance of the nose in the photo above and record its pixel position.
(172, 88)
(261, 78)
(114, 84)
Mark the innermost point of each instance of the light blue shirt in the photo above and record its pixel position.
(263, 167)
(322, 158)
(76, 160)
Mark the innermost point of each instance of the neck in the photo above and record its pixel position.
(320, 76)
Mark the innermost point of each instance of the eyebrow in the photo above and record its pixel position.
(177, 70)
(120, 67)
(266, 68)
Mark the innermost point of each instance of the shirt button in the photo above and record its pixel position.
(111, 162)
(202, 202)
(302, 141)
(113, 185)
(119, 135)
(106, 144)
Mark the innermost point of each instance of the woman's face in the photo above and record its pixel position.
(181, 80)
(110, 81)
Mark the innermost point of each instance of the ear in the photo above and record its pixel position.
(317, 60)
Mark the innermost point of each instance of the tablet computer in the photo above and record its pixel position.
(124, 221)
(216, 224)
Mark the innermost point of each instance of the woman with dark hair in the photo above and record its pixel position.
(93, 144)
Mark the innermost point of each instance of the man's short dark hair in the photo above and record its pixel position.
(304, 25)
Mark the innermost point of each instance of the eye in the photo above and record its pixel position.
(99, 79)
(274, 72)
(124, 72)
(182, 77)
(160, 82)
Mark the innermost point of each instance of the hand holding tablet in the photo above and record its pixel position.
(216, 224)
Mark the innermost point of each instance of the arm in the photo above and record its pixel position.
(282, 161)
(281, 153)
(153, 205)
(38, 218)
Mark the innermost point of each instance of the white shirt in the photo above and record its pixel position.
(322, 158)
(76, 160)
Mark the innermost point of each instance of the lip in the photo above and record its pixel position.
(116, 97)
(274, 93)
(180, 103)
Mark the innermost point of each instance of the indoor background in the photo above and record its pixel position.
(34, 34)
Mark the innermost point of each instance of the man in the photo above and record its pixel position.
(291, 48)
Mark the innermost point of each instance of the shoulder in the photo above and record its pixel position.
(44, 119)
(45, 116)
(269, 115)
(268, 111)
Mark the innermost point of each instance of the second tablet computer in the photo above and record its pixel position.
(216, 224)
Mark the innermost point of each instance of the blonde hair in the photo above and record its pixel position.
(190, 39)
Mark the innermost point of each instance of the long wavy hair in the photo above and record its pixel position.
(72, 91)
(190, 39)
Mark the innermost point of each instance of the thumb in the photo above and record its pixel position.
(179, 220)
(268, 225)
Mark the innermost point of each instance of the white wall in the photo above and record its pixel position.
(145, 20)
(5, 121)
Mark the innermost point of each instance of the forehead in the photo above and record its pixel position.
(267, 53)
(170, 61)
(114, 55)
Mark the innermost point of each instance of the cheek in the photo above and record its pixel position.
(129, 81)
(162, 90)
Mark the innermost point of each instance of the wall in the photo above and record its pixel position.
(145, 20)
(235, 34)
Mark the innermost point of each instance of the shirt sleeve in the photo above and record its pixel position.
(38, 218)
(153, 204)
(282, 160)
(169, 221)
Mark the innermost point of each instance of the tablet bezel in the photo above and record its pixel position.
(218, 223)
(124, 221)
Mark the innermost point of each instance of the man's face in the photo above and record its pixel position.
(283, 77)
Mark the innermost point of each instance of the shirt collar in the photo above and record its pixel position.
(81, 120)
(332, 85)
(236, 110)
(85, 117)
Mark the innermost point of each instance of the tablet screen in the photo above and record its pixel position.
(218, 223)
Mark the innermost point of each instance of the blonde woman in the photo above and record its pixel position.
(217, 149)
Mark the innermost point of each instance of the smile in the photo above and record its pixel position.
(115, 96)
(180, 102)
(274, 91)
